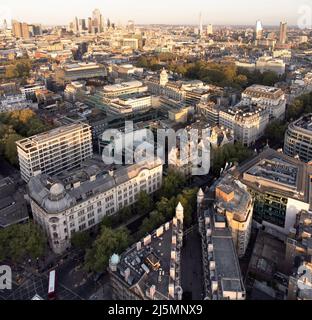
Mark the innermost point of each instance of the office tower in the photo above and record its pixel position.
(280, 186)
(5, 25)
(209, 30)
(16, 29)
(259, 30)
(25, 31)
(76, 25)
(35, 30)
(298, 139)
(200, 24)
(131, 26)
(53, 152)
(101, 26)
(82, 25)
(283, 33)
(20, 30)
(79, 199)
(97, 20)
(90, 25)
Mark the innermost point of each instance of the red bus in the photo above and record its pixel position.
(52, 285)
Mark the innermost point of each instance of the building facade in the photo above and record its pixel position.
(222, 275)
(280, 187)
(298, 139)
(248, 121)
(270, 97)
(235, 202)
(52, 152)
(78, 200)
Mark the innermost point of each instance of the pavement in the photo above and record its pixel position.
(26, 285)
(192, 268)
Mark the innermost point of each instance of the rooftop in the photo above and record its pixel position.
(240, 202)
(81, 66)
(264, 91)
(58, 193)
(272, 171)
(52, 134)
(304, 123)
(122, 86)
(152, 266)
(245, 109)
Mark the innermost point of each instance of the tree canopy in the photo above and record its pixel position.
(229, 153)
(15, 126)
(109, 242)
(22, 241)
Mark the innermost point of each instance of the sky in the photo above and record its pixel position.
(217, 12)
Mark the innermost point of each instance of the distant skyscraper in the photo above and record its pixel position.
(76, 25)
(131, 26)
(259, 30)
(90, 25)
(200, 24)
(209, 29)
(97, 21)
(20, 30)
(16, 29)
(5, 25)
(82, 24)
(283, 33)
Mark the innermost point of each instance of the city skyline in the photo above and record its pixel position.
(243, 12)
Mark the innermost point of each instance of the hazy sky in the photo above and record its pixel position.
(156, 11)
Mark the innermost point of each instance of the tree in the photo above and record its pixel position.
(275, 132)
(172, 184)
(269, 78)
(109, 242)
(125, 213)
(188, 199)
(229, 153)
(81, 240)
(10, 149)
(23, 241)
(144, 203)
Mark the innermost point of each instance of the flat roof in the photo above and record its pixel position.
(122, 86)
(52, 134)
(264, 171)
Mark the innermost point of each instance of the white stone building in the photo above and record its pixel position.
(52, 152)
(78, 200)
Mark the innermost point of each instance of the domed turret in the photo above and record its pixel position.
(57, 192)
(113, 262)
(163, 77)
(180, 212)
(200, 197)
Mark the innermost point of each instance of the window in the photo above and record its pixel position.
(90, 208)
(90, 215)
(81, 213)
(82, 227)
